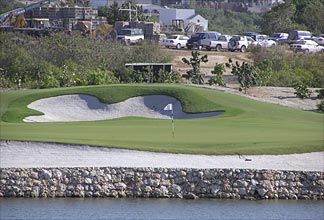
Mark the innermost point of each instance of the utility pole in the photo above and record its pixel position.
(129, 9)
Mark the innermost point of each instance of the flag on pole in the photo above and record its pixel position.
(168, 107)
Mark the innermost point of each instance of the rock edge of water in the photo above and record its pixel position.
(120, 182)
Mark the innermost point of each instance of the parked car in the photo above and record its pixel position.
(279, 37)
(264, 41)
(177, 41)
(200, 40)
(307, 46)
(219, 44)
(319, 39)
(130, 36)
(295, 36)
(240, 43)
(253, 35)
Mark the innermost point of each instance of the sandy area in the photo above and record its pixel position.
(88, 108)
(33, 154)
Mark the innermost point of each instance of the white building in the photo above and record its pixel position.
(187, 17)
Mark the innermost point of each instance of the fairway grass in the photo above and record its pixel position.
(246, 127)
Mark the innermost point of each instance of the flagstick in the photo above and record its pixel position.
(169, 107)
(172, 123)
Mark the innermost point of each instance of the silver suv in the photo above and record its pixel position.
(240, 43)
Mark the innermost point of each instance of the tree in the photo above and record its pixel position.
(218, 71)
(295, 14)
(230, 22)
(194, 74)
(263, 72)
(312, 15)
(114, 13)
(8, 5)
(245, 74)
(279, 19)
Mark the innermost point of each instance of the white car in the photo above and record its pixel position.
(177, 41)
(319, 39)
(264, 41)
(307, 46)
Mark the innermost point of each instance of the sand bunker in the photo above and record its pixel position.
(33, 154)
(88, 108)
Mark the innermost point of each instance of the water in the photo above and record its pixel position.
(84, 209)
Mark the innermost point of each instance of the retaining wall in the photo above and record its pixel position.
(161, 183)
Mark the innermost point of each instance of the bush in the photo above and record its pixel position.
(320, 106)
(302, 91)
(320, 93)
(217, 79)
(288, 68)
(60, 60)
(263, 72)
(245, 73)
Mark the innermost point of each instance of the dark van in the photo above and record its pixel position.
(295, 36)
(201, 39)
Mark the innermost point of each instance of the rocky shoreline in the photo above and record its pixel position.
(185, 183)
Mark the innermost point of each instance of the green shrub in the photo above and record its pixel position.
(263, 71)
(320, 93)
(194, 74)
(168, 77)
(288, 68)
(245, 74)
(320, 106)
(217, 79)
(302, 91)
(64, 61)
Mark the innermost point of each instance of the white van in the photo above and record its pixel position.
(130, 36)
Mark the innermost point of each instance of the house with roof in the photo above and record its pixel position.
(186, 19)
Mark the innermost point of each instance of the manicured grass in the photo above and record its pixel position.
(246, 127)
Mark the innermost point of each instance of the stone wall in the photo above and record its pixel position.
(161, 183)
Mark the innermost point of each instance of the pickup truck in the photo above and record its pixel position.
(219, 44)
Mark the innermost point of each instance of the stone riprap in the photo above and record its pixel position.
(161, 183)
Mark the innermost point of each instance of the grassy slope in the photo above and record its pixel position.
(247, 127)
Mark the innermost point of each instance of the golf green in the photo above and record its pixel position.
(246, 126)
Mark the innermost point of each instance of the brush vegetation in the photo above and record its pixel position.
(246, 127)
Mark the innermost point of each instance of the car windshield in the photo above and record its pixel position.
(198, 36)
(277, 35)
(125, 32)
(172, 37)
